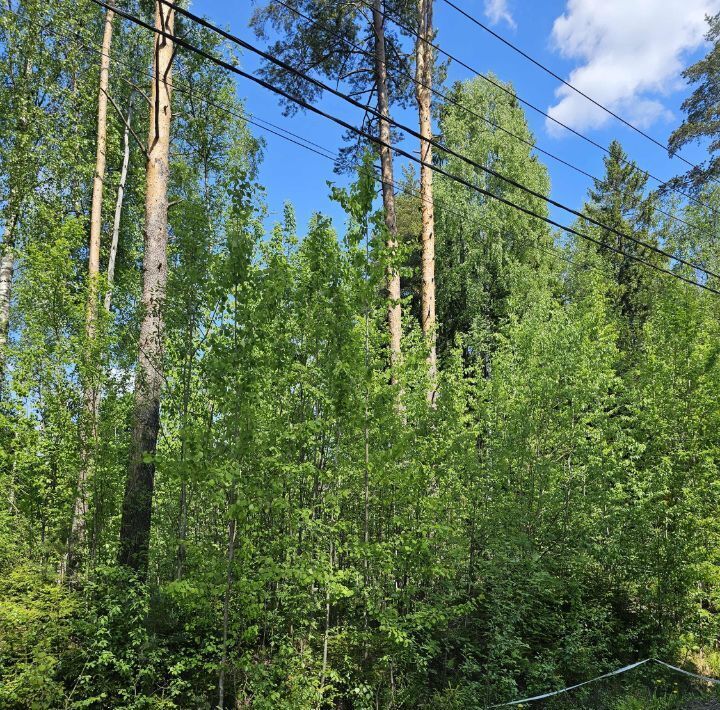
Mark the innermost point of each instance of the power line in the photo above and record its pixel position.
(301, 141)
(552, 250)
(252, 119)
(304, 104)
(310, 107)
(546, 69)
(469, 111)
(490, 171)
(517, 97)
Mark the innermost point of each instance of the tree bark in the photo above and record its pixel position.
(137, 503)
(386, 163)
(91, 393)
(183, 513)
(232, 529)
(423, 90)
(326, 635)
(7, 268)
(118, 210)
(21, 184)
(98, 180)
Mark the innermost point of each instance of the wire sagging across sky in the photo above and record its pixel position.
(344, 124)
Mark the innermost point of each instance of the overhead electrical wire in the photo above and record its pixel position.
(571, 86)
(436, 144)
(529, 104)
(466, 109)
(298, 140)
(245, 115)
(310, 107)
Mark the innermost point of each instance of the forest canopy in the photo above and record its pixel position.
(438, 454)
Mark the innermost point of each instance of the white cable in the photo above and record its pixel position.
(624, 669)
(706, 678)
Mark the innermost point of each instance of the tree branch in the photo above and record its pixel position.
(129, 127)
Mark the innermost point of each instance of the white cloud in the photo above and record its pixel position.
(628, 50)
(497, 11)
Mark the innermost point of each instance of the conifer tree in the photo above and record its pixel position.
(701, 113)
(619, 201)
(137, 503)
(346, 45)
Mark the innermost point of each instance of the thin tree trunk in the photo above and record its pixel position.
(7, 268)
(386, 163)
(78, 526)
(326, 636)
(366, 438)
(232, 528)
(98, 181)
(183, 513)
(424, 72)
(137, 503)
(118, 209)
(182, 531)
(12, 212)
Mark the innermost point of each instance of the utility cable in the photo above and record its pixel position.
(300, 141)
(571, 86)
(537, 109)
(242, 114)
(436, 144)
(310, 107)
(450, 99)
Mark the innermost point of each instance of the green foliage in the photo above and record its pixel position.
(700, 124)
(482, 244)
(35, 631)
(321, 537)
(619, 201)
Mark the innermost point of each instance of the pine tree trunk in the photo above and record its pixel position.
(137, 503)
(386, 163)
(424, 71)
(118, 209)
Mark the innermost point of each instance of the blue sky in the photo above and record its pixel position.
(626, 54)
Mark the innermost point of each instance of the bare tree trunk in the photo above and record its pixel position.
(137, 503)
(326, 636)
(98, 180)
(424, 72)
(118, 209)
(91, 393)
(7, 268)
(183, 513)
(366, 439)
(386, 163)
(20, 185)
(232, 528)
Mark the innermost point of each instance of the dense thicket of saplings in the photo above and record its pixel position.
(322, 535)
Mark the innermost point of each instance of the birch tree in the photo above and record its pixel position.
(76, 540)
(27, 97)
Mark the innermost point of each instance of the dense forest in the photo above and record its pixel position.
(440, 455)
